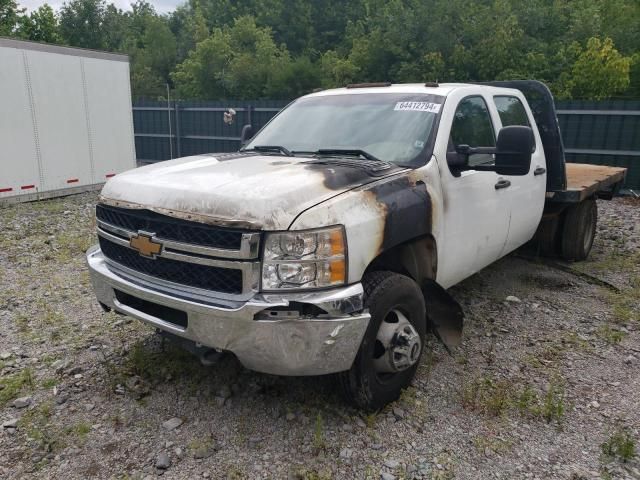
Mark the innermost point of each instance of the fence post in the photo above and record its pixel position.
(176, 109)
(250, 114)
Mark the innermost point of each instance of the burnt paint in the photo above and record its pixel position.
(407, 207)
(341, 174)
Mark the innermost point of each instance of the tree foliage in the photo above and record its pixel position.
(282, 48)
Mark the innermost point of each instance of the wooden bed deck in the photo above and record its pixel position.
(584, 180)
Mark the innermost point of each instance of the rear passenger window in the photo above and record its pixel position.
(472, 126)
(511, 111)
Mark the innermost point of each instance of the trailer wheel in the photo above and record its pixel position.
(392, 345)
(579, 230)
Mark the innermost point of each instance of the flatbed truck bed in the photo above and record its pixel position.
(585, 181)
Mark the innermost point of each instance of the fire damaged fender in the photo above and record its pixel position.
(390, 225)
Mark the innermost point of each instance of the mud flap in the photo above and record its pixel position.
(444, 315)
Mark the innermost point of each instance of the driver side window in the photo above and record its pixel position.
(472, 126)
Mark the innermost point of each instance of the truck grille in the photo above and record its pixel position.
(170, 228)
(225, 280)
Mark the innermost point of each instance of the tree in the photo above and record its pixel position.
(41, 25)
(82, 23)
(241, 61)
(117, 27)
(9, 17)
(599, 71)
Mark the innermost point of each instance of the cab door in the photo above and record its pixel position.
(476, 204)
(527, 192)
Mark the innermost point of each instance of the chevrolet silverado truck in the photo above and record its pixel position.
(327, 243)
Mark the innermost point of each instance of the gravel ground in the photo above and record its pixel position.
(545, 385)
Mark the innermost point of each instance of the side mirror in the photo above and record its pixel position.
(458, 160)
(513, 150)
(246, 135)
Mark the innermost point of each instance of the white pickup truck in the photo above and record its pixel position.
(326, 244)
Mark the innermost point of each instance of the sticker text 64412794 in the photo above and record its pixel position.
(418, 107)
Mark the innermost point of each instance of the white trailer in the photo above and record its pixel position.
(66, 121)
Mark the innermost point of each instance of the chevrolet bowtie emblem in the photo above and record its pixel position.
(145, 245)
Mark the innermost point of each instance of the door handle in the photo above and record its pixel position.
(502, 183)
(539, 171)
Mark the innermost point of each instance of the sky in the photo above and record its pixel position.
(162, 6)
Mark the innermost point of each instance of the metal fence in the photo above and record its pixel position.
(605, 133)
(179, 129)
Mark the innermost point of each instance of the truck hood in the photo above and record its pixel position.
(244, 190)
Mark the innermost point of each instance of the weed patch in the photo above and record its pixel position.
(610, 335)
(497, 398)
(619, 446)
(14, 385)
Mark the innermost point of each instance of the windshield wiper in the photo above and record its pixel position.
(351, 152)
(270, 148)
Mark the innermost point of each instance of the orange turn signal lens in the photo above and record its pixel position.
(338, 270)
(337, 242)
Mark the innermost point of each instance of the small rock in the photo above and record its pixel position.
(172, 423)
(62, 398)
(5, 355)
(513, 299)
(163, 461)
(74, 371)
(89, 407)
(290, 416)
(347, 427)
(11, 423)
(179, 452)
(22, 402)
(594, 404)
(387, 476)
(346, 453)
(398, 413)
(629, 360)
(203, 451)
(392, 464)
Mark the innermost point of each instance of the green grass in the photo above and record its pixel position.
(500, 397)
(36, 424)
(620, 445)
(14, 385)
(487, 395)
(319, 443)
(79, 430)
(49, 383)
(610, 335)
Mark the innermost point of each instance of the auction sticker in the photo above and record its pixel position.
(418, 107)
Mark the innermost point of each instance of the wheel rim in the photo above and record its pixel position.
(397, 347)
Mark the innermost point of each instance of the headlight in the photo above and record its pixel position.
(306, 259)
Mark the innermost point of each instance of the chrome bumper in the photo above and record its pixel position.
(283, 346)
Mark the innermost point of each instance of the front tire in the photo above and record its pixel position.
(392, 345)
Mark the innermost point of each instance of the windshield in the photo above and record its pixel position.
(392, 127)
